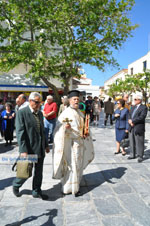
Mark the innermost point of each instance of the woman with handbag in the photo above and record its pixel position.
(121, 124)
(8, 117)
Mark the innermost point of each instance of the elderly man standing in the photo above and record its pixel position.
(50, 113)
(31, 140)
(73, 147)
(136, 121)
(22, 100)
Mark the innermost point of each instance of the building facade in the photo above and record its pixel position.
(140, 65)
(85, 85)
(119, 75)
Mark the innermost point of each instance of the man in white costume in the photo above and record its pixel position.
(73, 150)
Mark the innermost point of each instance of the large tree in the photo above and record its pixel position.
(54, 37)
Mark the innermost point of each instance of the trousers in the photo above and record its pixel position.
(37, 177)
(136, 144)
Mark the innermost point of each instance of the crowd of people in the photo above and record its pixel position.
(49, 108)
(39, 123)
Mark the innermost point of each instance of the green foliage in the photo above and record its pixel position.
(53, 36)
(132, 83)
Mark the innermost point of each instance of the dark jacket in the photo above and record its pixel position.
(138, 119)
(88, 104)
(122, 121)
(108, 107)
(29, 138)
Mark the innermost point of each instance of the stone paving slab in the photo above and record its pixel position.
(116, 191)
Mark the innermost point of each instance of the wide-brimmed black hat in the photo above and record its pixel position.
(73, 93)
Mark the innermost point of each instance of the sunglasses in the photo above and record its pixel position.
(36, 102)
(136, 99)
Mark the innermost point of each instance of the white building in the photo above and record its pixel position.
(119, 75)
(140, 65)
(87, 87)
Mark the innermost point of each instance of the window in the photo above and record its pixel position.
(89, 94)
(131, 71)
(144, 65)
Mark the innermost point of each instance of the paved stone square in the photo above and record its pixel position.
(116, 191)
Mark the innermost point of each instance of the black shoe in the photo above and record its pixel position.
(131, 157)
(78, 194)
(140, 159)
(41, 196)
(6, 144)
(117, 152)
(16, 191)
(10, 143)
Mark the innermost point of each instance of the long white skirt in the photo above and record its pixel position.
(73, 165)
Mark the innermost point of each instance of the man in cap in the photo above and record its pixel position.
(73, 149)
(136, 121)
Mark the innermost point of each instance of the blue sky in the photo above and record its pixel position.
(134, 48)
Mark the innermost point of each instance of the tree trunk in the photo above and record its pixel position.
(66, 86)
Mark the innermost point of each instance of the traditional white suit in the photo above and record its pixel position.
(71, 152)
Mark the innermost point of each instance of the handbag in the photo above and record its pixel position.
(23, 168)
(125, 142)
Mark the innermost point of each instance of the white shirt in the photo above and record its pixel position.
(25, 104)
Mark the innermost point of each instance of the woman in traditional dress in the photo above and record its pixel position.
(8, 117)
(121, 124)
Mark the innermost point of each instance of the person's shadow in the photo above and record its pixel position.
(53, 193)
(146, 154)
(90, 181)
(7, 182)
(50, 213)
(4, 149)
(93, 180)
